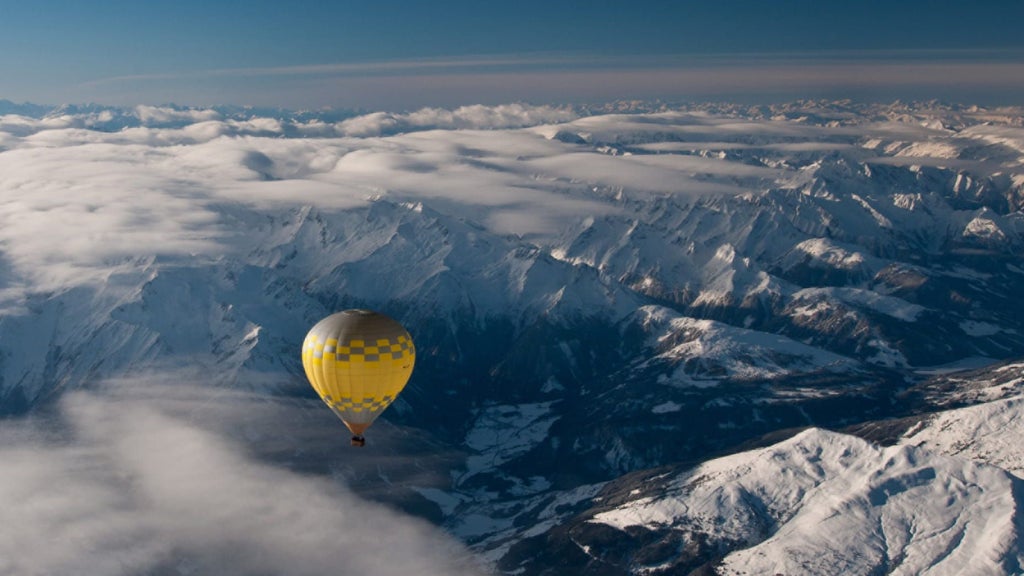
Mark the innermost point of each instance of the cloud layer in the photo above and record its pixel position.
(118, 484)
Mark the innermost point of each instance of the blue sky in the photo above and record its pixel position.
(402, 55)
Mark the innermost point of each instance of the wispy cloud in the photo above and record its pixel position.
(406, 84)
(402, 67)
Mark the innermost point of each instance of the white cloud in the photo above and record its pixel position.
(12, 125)
(150, 115)
(465, 117)
(68, 210)
(669, 174)
(121, 483)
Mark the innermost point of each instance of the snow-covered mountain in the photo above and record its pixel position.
(599, 301)
(819, 503)
(942, 497)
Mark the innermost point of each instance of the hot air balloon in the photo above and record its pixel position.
(358, 361)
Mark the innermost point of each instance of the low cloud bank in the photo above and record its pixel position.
(117, 485)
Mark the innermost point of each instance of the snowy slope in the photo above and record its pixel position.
(821, 503)
(705, 352)
(989, 431)
(868, 516)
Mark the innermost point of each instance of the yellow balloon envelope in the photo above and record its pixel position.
(358, 361)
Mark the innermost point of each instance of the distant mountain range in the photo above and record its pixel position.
(711, 338)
